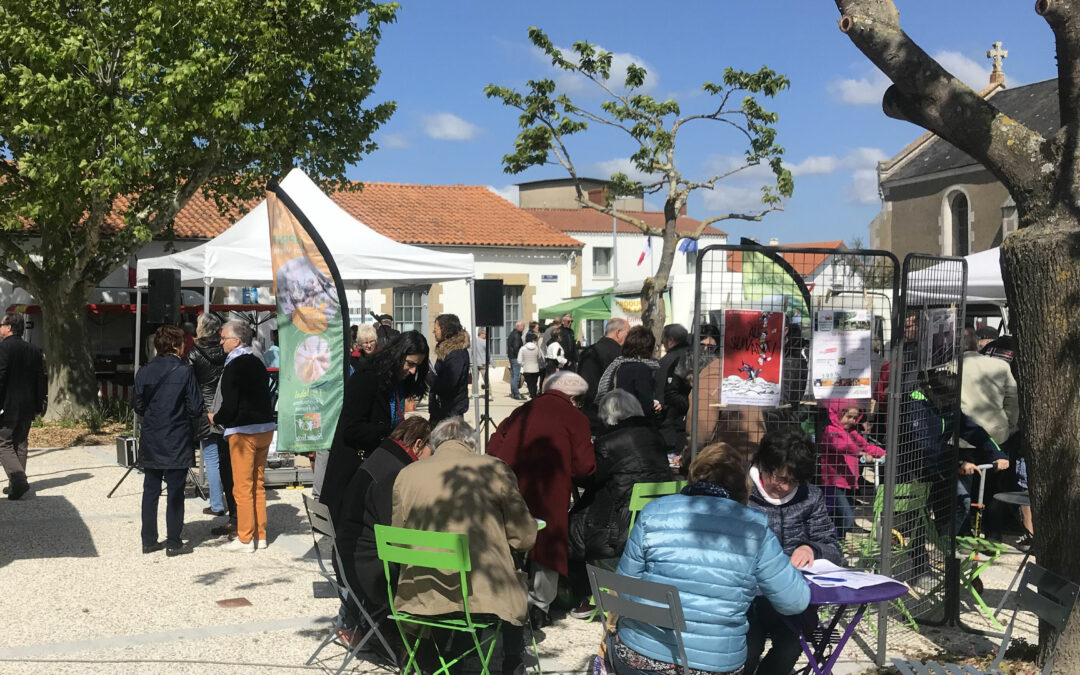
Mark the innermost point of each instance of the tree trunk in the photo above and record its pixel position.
(653, 310)
(1041, 267)
(72, 385)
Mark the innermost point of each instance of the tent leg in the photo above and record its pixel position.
(475, 370)
(206, 297)
(138, 348)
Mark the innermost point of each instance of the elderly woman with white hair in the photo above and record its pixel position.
(630, 450)
(548, 444)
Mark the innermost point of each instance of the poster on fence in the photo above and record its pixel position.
(753, 353)
(939, 342)
(311, 318)
(841, 354)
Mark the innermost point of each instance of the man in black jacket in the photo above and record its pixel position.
(569, 342)
(367, 502)
(596, 358)
(672, 386)
(514, 342)
(23, 392)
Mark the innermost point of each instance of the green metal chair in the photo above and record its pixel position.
(441, 551)
(643, 493)
(908, 498)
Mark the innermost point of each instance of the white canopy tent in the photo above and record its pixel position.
(984, 283)
(240, 256)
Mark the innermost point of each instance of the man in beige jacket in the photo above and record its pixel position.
(458, 490)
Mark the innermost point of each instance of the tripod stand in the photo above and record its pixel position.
(136, 466)
(485, 419)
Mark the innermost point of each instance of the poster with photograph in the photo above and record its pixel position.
(311, 331)
(753, 353)
(841, 354)
(939, 342)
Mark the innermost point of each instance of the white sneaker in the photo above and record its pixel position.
(239, 546)
(260, 543)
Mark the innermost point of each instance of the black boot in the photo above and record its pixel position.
(19, 486)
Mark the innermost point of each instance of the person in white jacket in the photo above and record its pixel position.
(532, 362)
(555, 357)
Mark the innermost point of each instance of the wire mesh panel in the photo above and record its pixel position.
(796, 338)
(923, 412)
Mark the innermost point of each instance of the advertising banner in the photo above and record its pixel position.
(841, 354)
(312, 318)
(753, 354)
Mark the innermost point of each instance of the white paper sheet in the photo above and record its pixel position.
(827, 575)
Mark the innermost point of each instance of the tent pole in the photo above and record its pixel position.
(475, 370)
(138, 349)
(206, 296)
(363, 301)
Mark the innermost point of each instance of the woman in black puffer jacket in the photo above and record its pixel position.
(630, 451)
(207, 357)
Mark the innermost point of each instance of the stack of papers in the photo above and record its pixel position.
(825, 574)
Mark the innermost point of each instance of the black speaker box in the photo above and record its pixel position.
(489, 302)
(163, 303)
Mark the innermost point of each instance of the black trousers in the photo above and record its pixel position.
(225, 466)
(531, 380)
(765, 621)
(174, 505)
(13, 447)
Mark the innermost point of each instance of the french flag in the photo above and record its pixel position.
(646, 252)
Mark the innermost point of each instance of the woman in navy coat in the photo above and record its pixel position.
(168, 400)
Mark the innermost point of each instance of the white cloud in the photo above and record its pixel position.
(860, 91)
(507, 192)
(449, 127)
(973, 73)
(859, 158)
(863, 188)
(733, 199)
(394, 141)
(624, 165)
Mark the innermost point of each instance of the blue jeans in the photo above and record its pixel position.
(838, 503)
(212, 464)
(515, 378)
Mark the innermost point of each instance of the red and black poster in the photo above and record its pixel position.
(753, 355)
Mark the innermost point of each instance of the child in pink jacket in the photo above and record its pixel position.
(841, 447)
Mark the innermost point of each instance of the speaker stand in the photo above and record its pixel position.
(122, 479)
(485, 421)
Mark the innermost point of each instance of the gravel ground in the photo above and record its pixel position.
(88, 601)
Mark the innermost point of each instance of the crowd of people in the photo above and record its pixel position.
(597, 421)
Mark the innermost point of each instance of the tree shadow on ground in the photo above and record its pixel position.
(211, 578)
(58, 481)
(47, 526)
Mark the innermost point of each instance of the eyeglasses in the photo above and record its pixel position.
(229, 337)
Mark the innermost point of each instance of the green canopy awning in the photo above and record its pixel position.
(595, 307)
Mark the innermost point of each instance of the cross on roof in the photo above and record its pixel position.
(997, 54)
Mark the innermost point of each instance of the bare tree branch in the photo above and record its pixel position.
(626, 218)
(756, 217)
(926, 94)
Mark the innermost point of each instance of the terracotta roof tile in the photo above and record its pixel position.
(803, 263)
(465, 215)
(590, 220)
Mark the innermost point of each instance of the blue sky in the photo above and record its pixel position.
(439, 55)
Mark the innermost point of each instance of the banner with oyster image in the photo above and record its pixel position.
(312, 329)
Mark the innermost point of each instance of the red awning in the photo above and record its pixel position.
(116, 308)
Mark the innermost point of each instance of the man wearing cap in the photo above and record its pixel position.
(547, 443)
(386, 331)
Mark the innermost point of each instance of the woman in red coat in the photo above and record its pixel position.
(548, 445)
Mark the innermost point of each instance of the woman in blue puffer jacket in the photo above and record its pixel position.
(718, 553)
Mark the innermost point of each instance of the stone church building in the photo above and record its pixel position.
(938, 200)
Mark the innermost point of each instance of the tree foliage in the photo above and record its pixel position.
(113, 114)
(549, 118)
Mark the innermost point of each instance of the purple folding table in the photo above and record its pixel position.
(842, 598)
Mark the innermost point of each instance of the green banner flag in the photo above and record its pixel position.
(312, 318)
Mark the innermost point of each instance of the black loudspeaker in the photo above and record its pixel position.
(163, 303)
(489, 302)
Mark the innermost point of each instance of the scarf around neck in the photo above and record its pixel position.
(706, 488)
(755, 475)
(239, 351)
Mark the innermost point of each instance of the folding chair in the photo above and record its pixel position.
(625, 595)
(319, 517)
(908, 498)
(438, 551)
(643, 493)
(1044, 594)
